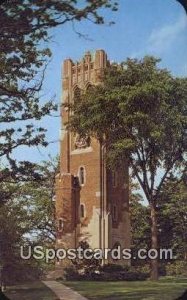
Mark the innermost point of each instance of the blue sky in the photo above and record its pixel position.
(143, 27)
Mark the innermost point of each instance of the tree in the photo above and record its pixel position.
(172, 217)
(24, 54)
(139, 115)
(14, 225)
(38, 198)
(140, 220)
(183, 3)
(27, 217)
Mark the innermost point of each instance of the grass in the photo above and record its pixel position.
(164, 289)
(30, 291)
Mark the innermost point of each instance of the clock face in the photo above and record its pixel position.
(82, 142)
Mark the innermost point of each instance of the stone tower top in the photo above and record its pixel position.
(86, 70)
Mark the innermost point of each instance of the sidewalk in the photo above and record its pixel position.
(63, 292)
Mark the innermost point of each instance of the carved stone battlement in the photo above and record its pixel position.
(82, 72)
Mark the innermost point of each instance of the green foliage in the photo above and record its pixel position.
(24, 55)
(38, 197)
(177, 268)
(82, 268)
(139, 114)
(120, 276)
(110, 268)
(26, 206)
(27, 218)
(140, 221)
(14, 227)
(172, 216)
(108, 272)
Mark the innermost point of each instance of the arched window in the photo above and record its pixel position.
(116, 245)
(76, 94)
(125, 179)
(82, 211)
(81, 176)
(114, 178)
(114, 212)
(88, 86)
(60, 224)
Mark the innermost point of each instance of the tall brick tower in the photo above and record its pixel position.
(92, 203)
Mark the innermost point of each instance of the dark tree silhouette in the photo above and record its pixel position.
(184, 4)
(183, 297)
(2, 296)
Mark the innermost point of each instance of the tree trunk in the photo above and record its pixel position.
(154, 241)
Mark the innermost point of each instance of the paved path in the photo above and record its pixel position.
(63, 292)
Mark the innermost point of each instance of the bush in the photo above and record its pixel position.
(121, 275)
(83, 266)
(177, 268)
(19, 272)
(70, 273)
(113, 268)
(142, 269)
(108, 272)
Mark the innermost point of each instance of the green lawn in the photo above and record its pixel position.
(164, 289)
(30, 291)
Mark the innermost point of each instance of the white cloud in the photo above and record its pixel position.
(161, 39)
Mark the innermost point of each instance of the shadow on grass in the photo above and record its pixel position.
(183, 296)
(3, 296)
(30, 291)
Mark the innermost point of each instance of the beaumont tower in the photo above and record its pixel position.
(92, 202)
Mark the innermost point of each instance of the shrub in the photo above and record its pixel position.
(142, 269)
(113, 268)
(70, 273)
(162, 269)
(121, 275)
(18, 272)
(108, 273)
(177, 268)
